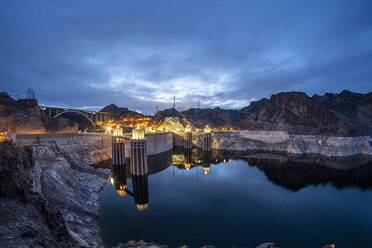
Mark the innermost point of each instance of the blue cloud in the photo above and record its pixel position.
(140, 54)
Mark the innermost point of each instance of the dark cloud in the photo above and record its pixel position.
(139, 54)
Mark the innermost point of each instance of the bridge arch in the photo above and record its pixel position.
(79, 112)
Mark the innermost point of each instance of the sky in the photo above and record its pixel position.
(139, 54)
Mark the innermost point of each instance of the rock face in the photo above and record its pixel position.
(196, 118)
(352, 108)
(294, 112)
(279, 141)
(25, 116)
(344, 114)
(122, 112)
(48, 197)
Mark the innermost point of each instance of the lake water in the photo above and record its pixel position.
(241, 200)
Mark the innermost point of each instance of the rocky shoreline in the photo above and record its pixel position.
(278, 141)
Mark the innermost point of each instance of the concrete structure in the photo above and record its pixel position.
(187, 140)
(92, 116)
(118, 151)
(138, 157)
(141, 191)
(119, 179)
(206, 157)
(138, 153)
(187, 155)
(156, 143)
(207, 142)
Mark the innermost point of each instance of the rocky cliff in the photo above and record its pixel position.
(280, 141)
(344, 114)
(25, 116)
(122, 112)
(49, 196)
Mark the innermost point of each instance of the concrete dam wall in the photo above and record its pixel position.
(95, 144)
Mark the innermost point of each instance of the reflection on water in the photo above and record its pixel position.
(119, 179)
(319, 196)
(288, 171)
(140, 191)
(292, 172)
(295, 175)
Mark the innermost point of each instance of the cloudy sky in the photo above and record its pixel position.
(140, 54)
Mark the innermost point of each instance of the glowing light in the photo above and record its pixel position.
(206, 170)
(108, 129)
(188, 129)
(112, 180)
(207, 129)
(117, 131)
(187, 166)
(138, 133)
(142, 207)
(121, 192)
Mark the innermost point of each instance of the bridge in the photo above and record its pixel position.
(92, 116)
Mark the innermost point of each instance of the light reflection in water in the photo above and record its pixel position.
(185, 202)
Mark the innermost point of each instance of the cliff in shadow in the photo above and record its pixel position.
(297, 172)
(25, 116)
(122, 112)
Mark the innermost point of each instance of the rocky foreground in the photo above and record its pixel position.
(49, 196)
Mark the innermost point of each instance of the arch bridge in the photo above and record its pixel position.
(92, 116)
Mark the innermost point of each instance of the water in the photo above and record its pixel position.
(243, 202)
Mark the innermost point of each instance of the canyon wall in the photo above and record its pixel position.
(25, 116)
(347, 114)
(280, 141)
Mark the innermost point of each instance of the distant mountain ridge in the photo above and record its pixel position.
(123, 112)
(344, 114)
